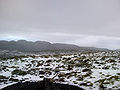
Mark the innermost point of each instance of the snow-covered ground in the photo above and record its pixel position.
(90, 71)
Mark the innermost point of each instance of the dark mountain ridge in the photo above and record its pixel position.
(29, 46)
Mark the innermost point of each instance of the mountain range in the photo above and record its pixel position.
(29, 46)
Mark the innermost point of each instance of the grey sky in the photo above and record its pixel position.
(82, 22)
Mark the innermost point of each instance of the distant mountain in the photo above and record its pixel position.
(118, 50)
(29, 46)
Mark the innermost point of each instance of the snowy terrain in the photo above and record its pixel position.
(90, 71)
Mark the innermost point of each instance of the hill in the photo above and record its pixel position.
(38, 46)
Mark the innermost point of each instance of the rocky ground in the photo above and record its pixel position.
(90, 71)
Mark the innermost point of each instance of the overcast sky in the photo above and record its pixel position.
(93, 23)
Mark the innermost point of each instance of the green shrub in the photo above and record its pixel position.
(19, 72)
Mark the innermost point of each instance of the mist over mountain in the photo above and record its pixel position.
(29, 46)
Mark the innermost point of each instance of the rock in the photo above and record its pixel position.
(41, 72)
(86, 70)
